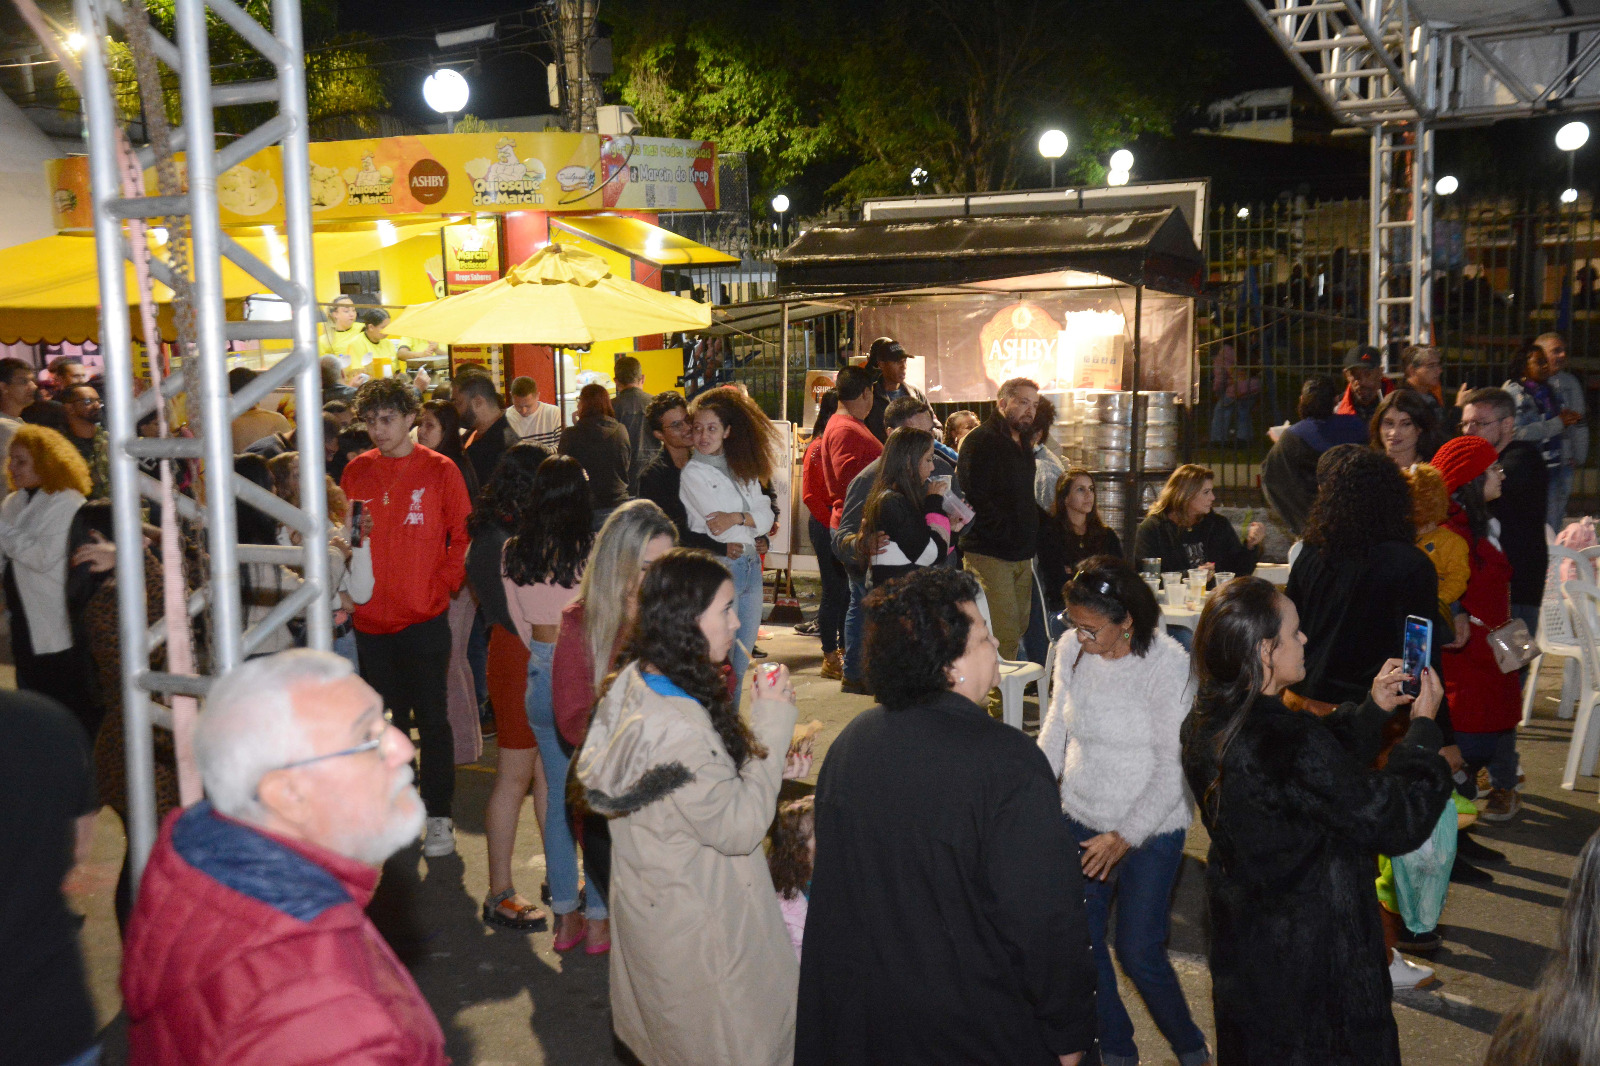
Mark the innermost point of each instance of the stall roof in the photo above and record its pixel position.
(1152, 247)
(640, 240)
(746, 318)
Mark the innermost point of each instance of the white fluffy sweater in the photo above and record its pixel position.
(1111, 736)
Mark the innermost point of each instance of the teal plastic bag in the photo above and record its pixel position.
(1422, 877)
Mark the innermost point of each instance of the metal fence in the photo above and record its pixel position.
(1287, 299)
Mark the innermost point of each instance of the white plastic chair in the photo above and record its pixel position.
(1015, 677)
(1555, 635)
(1583, 597)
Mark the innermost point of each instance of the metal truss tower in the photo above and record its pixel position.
(1405, 68)
(188, 57)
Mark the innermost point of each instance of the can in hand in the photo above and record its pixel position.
(767, 674)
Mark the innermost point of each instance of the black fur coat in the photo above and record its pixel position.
(1297, 819)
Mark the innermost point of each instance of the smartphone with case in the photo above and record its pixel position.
(356, 509)
(1417, 652)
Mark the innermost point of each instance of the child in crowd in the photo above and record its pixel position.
(791, 850)
(1445, 548)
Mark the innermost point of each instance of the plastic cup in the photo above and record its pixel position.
(1223, 577)
(1199, 577)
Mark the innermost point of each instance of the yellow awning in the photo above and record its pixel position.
(50, 289)
(642, 241)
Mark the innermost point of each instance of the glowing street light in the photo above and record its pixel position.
(1569, 196)
(1243, 212)
(1053, 145)
(1572, 136)
(1122, 159)
(780, 204)
(75, 42)
(446, 91)
(1446, 185)
(1117, 177)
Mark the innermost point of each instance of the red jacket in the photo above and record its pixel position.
(1482, 699)
(247, 948)
(847, 447)
(1347, 404)
(814, 486)
(572, 677)
(419, 509)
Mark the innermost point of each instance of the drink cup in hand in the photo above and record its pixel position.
(939, 484)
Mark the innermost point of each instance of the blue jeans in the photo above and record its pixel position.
(89, 1057)
(560, 850)
(835, 588)
(1141, 884)
(1042, 630)
(855, 622)
(1559, 492)
(747, 594)
(346, 646)
(1497, 751)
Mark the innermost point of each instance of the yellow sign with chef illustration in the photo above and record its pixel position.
(440, 174)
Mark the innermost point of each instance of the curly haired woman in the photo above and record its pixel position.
(702, 973)
(49, 480)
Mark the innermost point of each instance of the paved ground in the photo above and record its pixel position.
(505, 998)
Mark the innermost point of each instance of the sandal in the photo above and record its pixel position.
(510, 911)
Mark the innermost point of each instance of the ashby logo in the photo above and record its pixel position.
(428, 181)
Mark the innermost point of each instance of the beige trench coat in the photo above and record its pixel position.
(702, 973)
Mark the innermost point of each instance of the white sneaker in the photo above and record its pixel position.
(441, 838)
(1403, 973)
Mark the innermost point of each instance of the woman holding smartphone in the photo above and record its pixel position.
(702, 970)
(735, 449)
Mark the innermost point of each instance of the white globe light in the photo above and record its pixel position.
(1446, 185)
(1243, 212)
(446, 91)
(1569, 196)
(1122, 159)
(1572, 136)
(780, 203)
(1053, 144)
(1117, 177)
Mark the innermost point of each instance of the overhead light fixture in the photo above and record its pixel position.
(446, 91)
(1572, 136)
(1446, 185)
(460, 38)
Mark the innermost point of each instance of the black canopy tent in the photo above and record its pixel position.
(1153, 248)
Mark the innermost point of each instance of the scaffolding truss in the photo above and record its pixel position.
(1405, 68)
(189, 58)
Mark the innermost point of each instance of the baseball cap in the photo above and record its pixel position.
(887, 348)
(1364, 356)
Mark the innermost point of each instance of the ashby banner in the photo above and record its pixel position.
(448, 174)
(1062, 340)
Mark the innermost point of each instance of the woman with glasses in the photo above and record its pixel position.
(1111, 735)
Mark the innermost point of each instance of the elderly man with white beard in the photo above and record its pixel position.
(249, 942)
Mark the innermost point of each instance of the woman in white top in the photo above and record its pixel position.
(1111, 734)
(49, 480)
(735, 447)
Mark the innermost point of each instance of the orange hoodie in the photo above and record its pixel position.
(419, 509)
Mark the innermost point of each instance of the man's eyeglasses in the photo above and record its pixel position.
(1481, 423)
(364, 746)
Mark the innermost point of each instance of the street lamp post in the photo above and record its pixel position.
(1569, 139)
(1053, 145)
(780, 204)
(446, 91)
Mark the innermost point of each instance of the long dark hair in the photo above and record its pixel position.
(1227, 664)
(897, 474)
(827, 406)
(1554, 1025)
(1470, 497)
(555, 533)
(1361, 501)
(253, 525)
(1517, 370)
(593, 402)
(450, 422)
(1094, 527)
(789, 848)
(1414, 407)
(676, 591)
(509, 492)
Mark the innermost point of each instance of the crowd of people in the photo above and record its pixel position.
(591, 598)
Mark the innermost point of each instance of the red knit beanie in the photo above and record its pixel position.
(1461, 459)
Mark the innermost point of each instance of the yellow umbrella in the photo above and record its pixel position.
(563, 297)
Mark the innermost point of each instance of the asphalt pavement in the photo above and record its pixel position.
(506, 998)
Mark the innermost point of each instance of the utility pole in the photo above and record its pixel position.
(574, 34)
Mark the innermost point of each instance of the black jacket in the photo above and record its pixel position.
(880, 404)
(486, 449)
(1210, 540)
(908, 529)
(1353, 613)
(601, 446)
(659, 484)
(1521, 511)
(485, 565)
(1289, 472)
(1060, 552)
(997, 476)
(946, 919)
(1297, 820)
